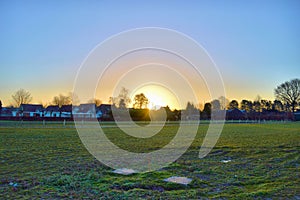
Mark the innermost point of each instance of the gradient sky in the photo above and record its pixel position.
(256, 45)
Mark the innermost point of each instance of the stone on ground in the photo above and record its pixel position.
(225, 161)
(124, 171)
(179, 180)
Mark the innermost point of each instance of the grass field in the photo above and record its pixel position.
(50, 162)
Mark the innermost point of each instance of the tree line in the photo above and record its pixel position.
(287, 99)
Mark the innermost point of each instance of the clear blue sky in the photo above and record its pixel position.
(256, 44)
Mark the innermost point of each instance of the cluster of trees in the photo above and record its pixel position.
(287, 97)
(122, 100)
(258, 105)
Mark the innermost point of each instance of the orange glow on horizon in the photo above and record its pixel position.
(158, 96)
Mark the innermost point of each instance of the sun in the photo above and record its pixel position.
(155, 101)
(158, 96)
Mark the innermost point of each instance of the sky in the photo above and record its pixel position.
(255, 44)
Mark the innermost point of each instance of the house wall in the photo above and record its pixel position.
(51, 114)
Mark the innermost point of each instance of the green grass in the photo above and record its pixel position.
(50, 162)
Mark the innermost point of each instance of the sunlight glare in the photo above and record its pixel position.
(158, 96)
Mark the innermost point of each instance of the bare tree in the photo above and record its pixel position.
(224, 102)
(140, 101)
(122, 100)
(74, 98)
(111, 101)
(289, 93)
(21, 97)
(97, 102)
(61, 100)
(215, 104)
(119, 107)
(45, 104)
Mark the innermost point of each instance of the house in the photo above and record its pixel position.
(66, 111)
(104, 111)
(8, 112)
(87, 110)
(15, 112)
(52, 111)
(31, 110)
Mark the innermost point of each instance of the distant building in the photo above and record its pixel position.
(66, 111)
(31, 110)
(52, 111)
(104, 111)
(87, 110)
(8, 112)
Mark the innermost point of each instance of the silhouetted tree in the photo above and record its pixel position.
(139, 114)
(215, 104)
(140, 101)
(190, 111)
(0, 107)
(206, 113)
(177, 114)
(277, 105)
(21, 97)
(289, 93)
(170, 114)
(256, 106)
(233, 104)
(266, 104)
(191, 108)
(246, 105)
